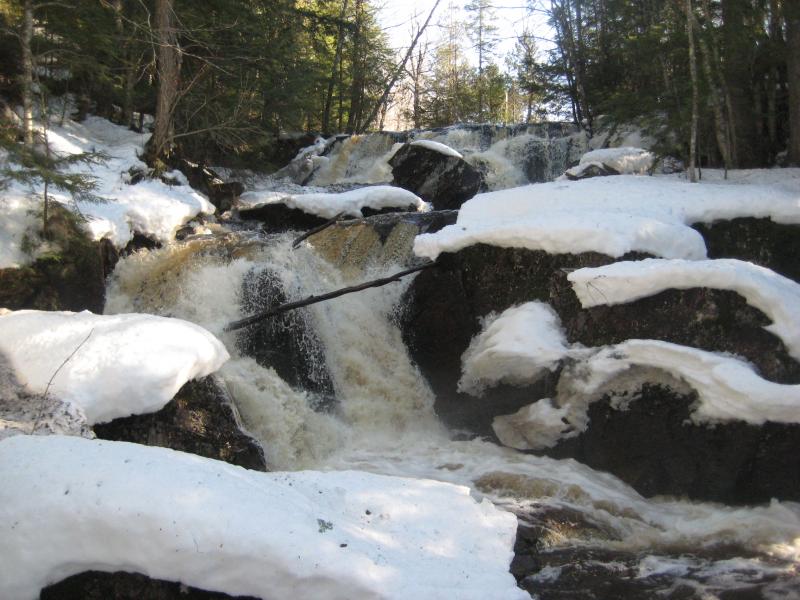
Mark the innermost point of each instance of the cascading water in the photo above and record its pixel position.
(507, 156)
(383, 420)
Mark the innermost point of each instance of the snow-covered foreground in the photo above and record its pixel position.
(616, 215)
(107, 366)
(68, 505)
(150, 207)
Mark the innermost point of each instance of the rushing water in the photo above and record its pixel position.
(507, 156)
(384, 422)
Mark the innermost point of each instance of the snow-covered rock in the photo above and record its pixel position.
(69, 505)
(621, 282)
(625, 160)
(109, 366)
(328, 205)
(615, 215)
(514, 347)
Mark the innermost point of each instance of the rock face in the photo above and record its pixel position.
(71, 277)
(444, 306)
(760, 241)
(286, 342)
(651, 444)
(200, 419)
(445, 181)
(98, 585)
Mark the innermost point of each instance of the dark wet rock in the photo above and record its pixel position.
(445, 181)
(708, 319)
(278, 217)
(443, 308)
(221, 194)
(98, 585)
(286, 342)
(70, 276)
(591, 572)
(201, 419)
(760, 241)
(138, 242)
(654, 447)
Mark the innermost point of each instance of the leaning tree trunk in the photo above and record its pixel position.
(26, 38)
(168, 63)
(792, 14)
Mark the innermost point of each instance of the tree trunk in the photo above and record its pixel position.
(26, 38)
(695, 92)
(792, 14)
(717, 103)
(168, 63)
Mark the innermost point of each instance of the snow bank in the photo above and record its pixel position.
(516, 347)
(614, 215)
(151, 207)
(626, 160)
(328, 205)
(774, 295)
(438, 147)
(69, 505)
(109, 366)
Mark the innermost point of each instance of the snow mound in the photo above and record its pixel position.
(626, 160)
(515, 347)
(438, 147)
(614, 215)
(328, 205)
(108, 366)
(69, 505)
(621, 282)
(151, 207)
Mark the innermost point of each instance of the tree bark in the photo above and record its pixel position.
(168, 64)
(717, 103)
(792, 15)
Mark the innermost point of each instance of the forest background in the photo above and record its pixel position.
(226, 78)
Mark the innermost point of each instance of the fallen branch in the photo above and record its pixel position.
(317, 229)
(282, 308)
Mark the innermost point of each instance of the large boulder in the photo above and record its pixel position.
(650, 442)
(445, 180)
(201, 419)
(69, 276)
(443, 311)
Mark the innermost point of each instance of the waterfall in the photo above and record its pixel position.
(383, 419)
(507, 156)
